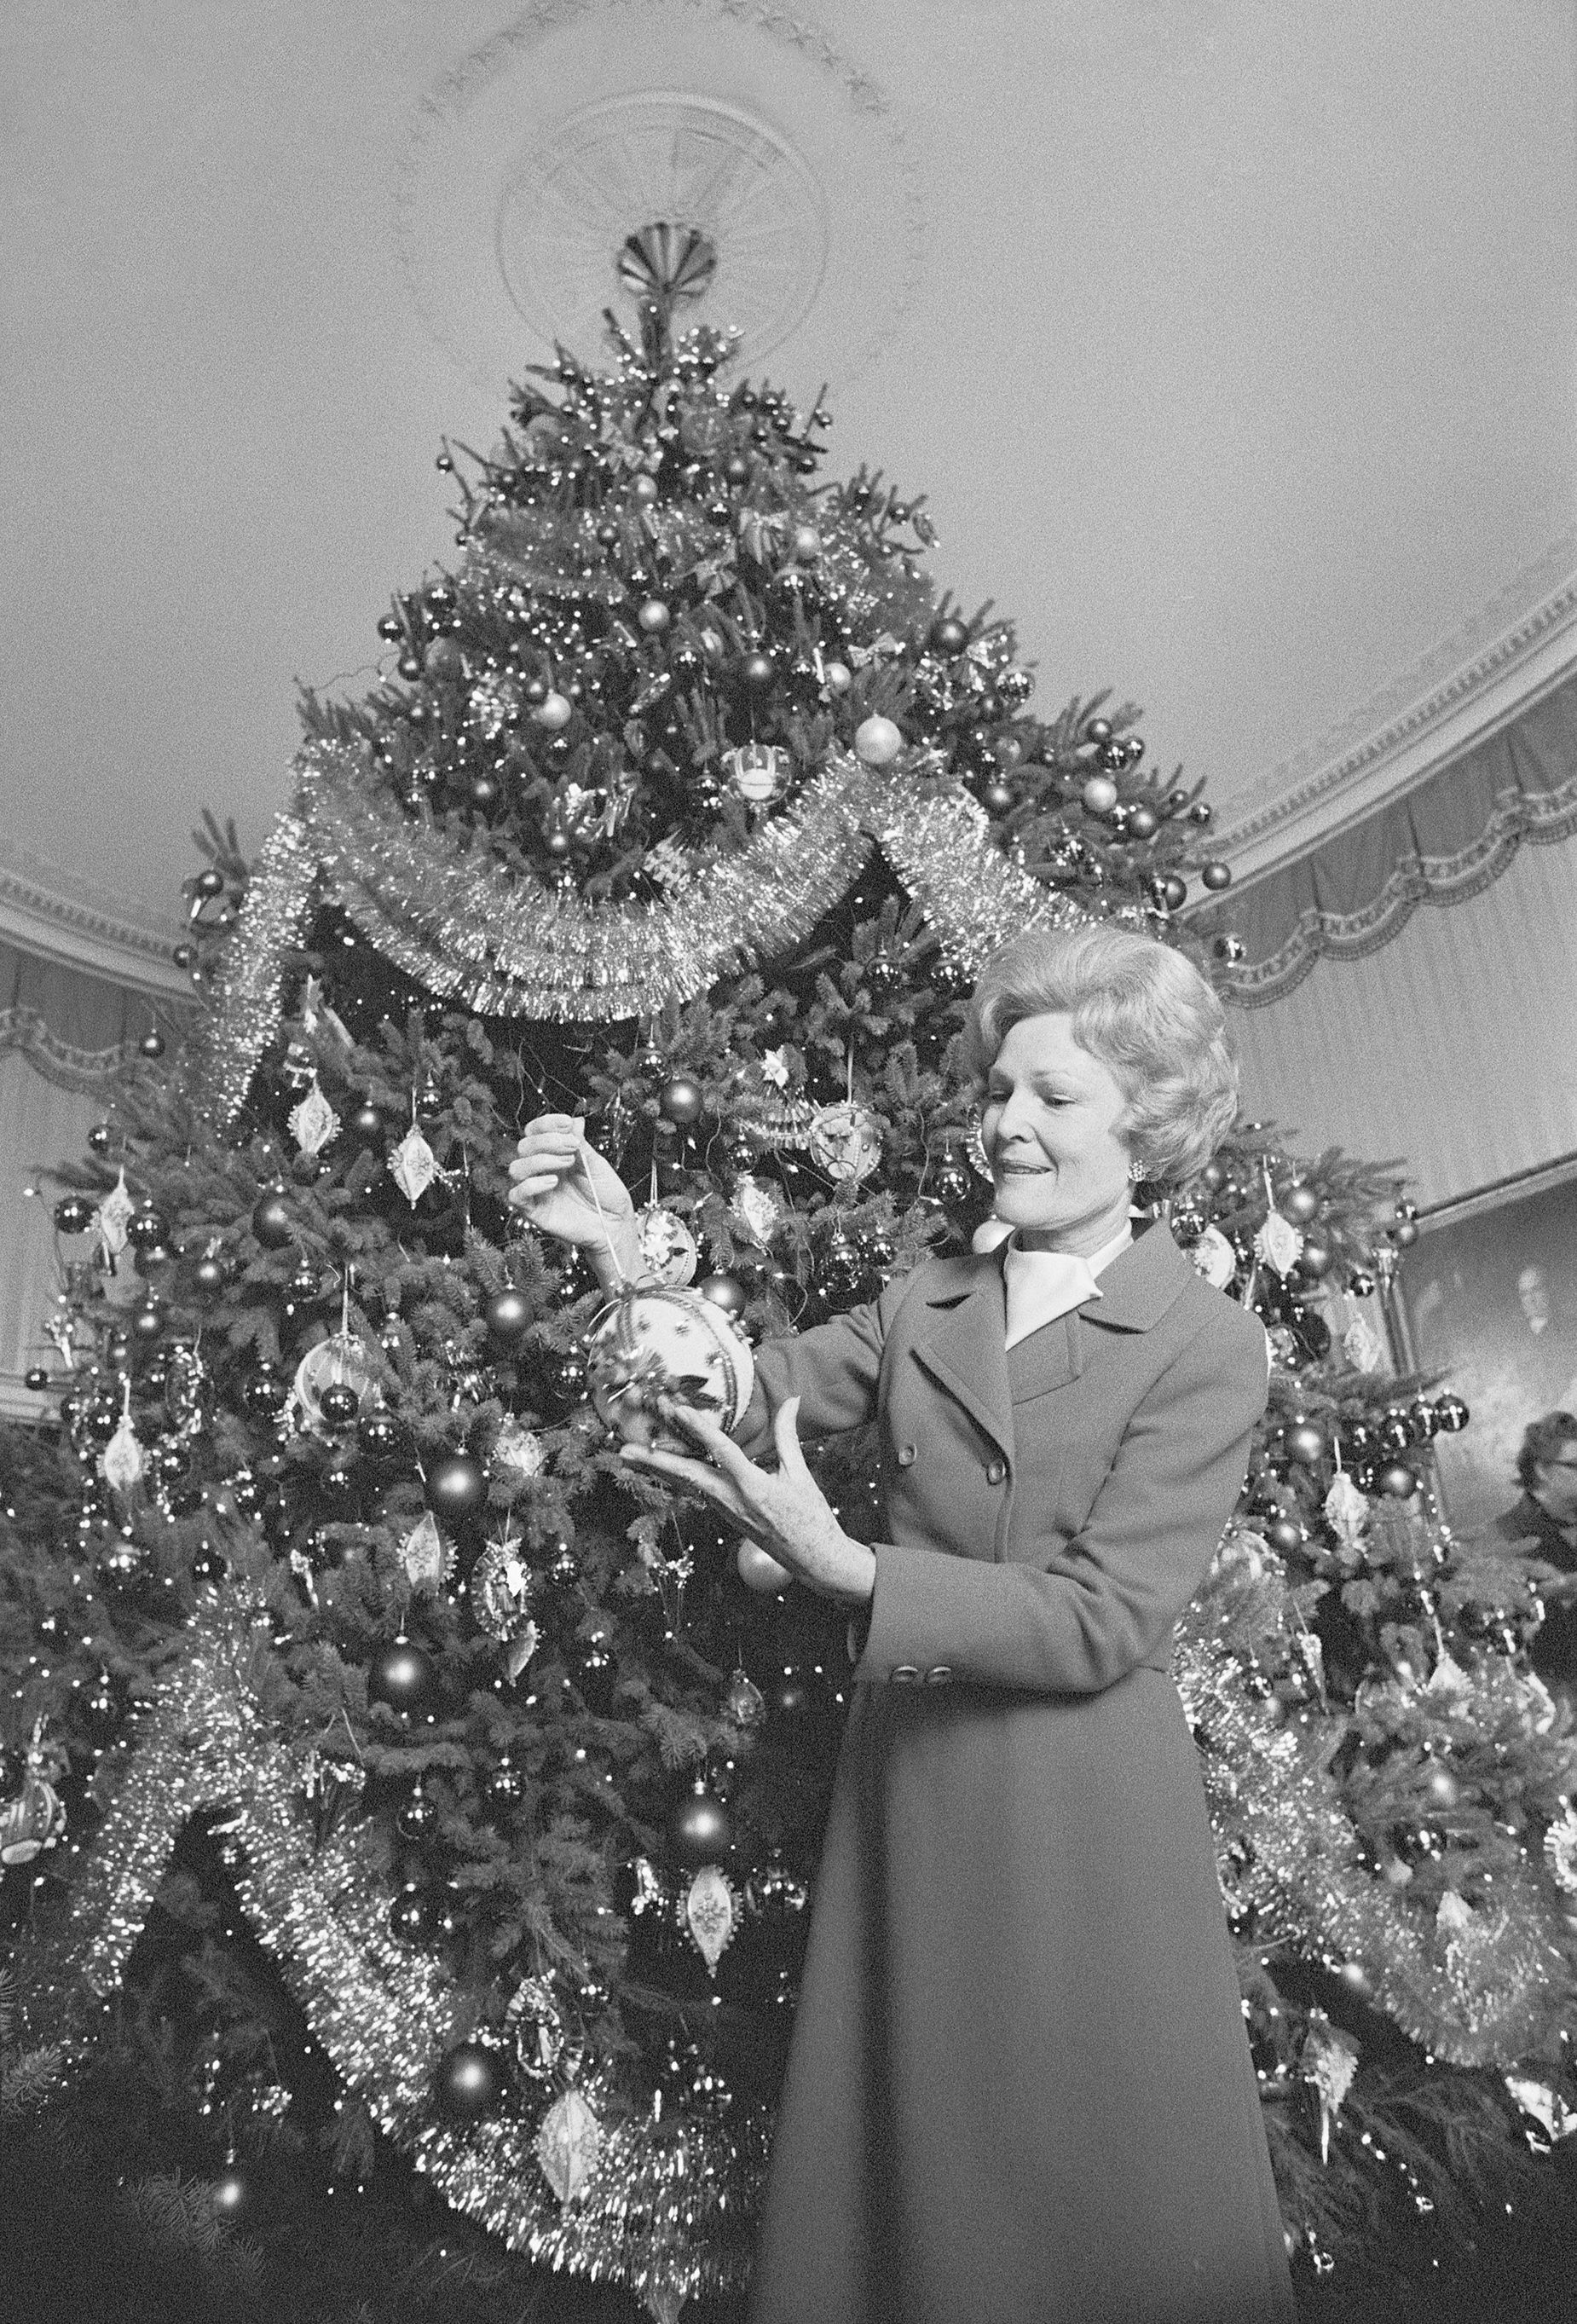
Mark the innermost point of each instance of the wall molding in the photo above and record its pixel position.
(46, 911)
(1516, 649)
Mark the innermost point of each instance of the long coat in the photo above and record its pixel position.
(1019, 2089)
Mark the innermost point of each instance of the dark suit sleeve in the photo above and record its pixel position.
(831, 1369)
(1146, 1548)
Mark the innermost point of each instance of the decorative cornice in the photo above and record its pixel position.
(1516, 649)
(49, 911)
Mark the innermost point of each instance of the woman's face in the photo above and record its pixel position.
(1048, 1125)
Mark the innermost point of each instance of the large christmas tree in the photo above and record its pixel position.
(398, 1780)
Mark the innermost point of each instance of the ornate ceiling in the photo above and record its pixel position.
(1232, 344)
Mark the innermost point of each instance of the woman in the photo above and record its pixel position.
(1018, 2089)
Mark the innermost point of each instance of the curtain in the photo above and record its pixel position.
(75, 1028)
(1445, 842)
(1454, 1048)
(41, 1122)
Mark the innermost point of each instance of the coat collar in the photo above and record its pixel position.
(960, 1338)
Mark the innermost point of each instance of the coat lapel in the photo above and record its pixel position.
(1137, 1288)
(960, 1339)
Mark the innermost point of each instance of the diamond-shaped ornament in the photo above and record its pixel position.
(313, 1123)
(568, 2144)
(412, 1166)
(110, 1220)
(1279, 1244)
(711, 1915)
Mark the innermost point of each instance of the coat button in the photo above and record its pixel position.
(938, 1674)
(904, 1674)
(906, 1455)
(996, 1472)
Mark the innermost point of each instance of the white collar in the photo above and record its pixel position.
(1042, 1284)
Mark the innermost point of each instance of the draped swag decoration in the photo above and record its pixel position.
(471, 929)
(75, 1028)
(1441, 843)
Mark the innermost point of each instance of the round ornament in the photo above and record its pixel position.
(839, 677)
(380, 1438)
(1451, 1414)
(653, 617)
(151, 1045)
(668, 1248)
(1307, 1442)
(1174, 892)
(845, 1142)
(806, 543)
(554, 711)
(758, 671)
(1397, 1480)
(759, 771)
(99, 1137)
(1314, 1260)
(340, 1361)
(35, 1379)
(272, 1219)
(680, 1100)
(74, 1214)
(402, 1676)
(468, 2082)
(1099, 795)
(698, 1829)
(724, 1291)
(508, 1316)
(760, 1571)
(1299, 1204)
(949, 635)
(209, 1275)
(877, 742)
(1217, 876)
(456, 1486)
(339, 1403)
(657, 1343)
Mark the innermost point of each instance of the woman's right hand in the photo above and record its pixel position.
(554, 1173)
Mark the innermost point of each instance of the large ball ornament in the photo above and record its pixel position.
(877, 742)
(724, 1291)
(1172, 893)
(805, 544)
(402, 1676)
(380, 1438)
(209, 1275)
(151, 1044)
(949, 635)
(1314, 1260)
(646, 490)
(148, 1323)
(99, 1137)
(73, 1214)
(699, 1830)
(1099, 795)
(1403, 1234)
(35, 1379)
(1397, 1480)
(596, 1673)
(443, 662)
(1217, 876)
(365, 1121)
(760, 1571)
(469, 2081)
(1285, 1535)
(272, 1219)
(1307, 1442)
(1299, 1204)
(653, 617)
(998, 796)
(680, 1100)
(839, 677)
(508, 1316)
(658, 1343)
(456, 1485)
(1442, 1787)
(260, 1394)
(1230, 948)
(1201, 813)
(1143, 823)
(1451, 1414)
(554, 711)
(413, 1917)
(759, 670)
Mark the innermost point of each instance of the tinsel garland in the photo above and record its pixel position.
(1287, 1850)
(466, 927)
(669, 2208)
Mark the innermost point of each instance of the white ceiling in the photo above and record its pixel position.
(1233, 342)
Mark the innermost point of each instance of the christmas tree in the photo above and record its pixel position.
(401, 1782)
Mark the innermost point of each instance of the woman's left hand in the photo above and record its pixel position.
(787, 1514)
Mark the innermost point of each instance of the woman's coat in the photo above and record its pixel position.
(1019, 2090)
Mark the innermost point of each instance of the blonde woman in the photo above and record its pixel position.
(1019, 2089)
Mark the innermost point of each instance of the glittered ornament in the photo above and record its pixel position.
(653, 1343)
(32, 1821)
(424, 1554)
(500, 1590)
(123, 1461)
(845, 1142)
(112, 1217)
(1214, 1257)
(669, 1249)
(699, 1828)
(760, 1571)
(517, 1448)
(313, 1123)
(412, 1166)
(756, 1208)
(1330, 2061)
(1560, 1852)
(533, 2023)
(1346, 1510)
(468, 2082)
(1278, 1244)
(744, 1702)
(711, 1915)
(1099, 795)
(568, 2145)
(341, 1360)
(402, 1676)
(877, 742)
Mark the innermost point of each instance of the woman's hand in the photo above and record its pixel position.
(787, 1513)
(554, 1173)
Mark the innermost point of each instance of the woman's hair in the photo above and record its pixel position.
(1545, 1439)
(1143, 1010)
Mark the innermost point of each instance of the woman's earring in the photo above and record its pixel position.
(1138, 1173)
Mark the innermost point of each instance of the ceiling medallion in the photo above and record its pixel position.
(778, 168)
(730, 182)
